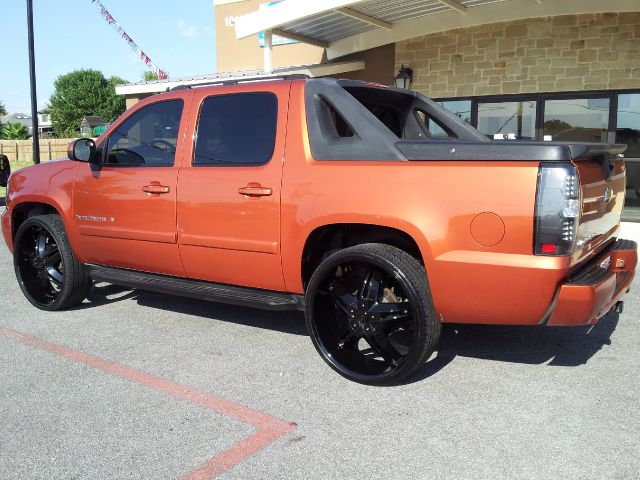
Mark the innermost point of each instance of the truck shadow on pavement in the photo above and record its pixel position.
(291, 322)
(535, 345)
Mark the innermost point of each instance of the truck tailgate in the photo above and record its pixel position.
(601, 174)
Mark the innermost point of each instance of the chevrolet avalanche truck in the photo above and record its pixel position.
(332, 197)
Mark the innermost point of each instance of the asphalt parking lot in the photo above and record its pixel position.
(140, 385)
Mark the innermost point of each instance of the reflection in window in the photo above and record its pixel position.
(508, 120)
(237, 129)
(435, 128)
(628, 132)
(577, 119)
(461, 108)
(148, 137)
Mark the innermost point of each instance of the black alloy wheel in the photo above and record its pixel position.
(47, 271)
(370, 315)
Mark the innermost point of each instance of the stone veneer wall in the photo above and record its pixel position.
(552, 54)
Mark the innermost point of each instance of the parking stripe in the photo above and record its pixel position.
(269, 428)
(236, 454)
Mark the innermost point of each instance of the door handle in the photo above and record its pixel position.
(157, 189)
(255, 190)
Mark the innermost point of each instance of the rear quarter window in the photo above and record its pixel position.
(237, 129)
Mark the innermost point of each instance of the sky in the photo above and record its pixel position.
(178, 36)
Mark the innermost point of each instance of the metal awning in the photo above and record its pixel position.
(348, 26)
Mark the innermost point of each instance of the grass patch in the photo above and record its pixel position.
(18, 165)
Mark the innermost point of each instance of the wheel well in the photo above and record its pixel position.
(325, 240)
(25, 210)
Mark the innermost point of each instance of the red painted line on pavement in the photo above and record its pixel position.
(236, 454)
(269, 428)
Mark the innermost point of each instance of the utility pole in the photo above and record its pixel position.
(32, 77)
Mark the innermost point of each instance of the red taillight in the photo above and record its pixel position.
(547, 248)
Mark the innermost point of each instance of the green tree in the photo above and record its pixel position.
(3, 111)
(14, 131)
(149, 76)
(555, 126)
(117, 103)
(81, 93)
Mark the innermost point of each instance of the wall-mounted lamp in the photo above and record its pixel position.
(404, 78)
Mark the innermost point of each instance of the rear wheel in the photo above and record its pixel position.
(370, 315)
(48, 272)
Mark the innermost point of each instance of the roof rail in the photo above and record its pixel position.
(239, 80)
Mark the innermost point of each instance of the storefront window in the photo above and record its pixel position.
(577, 119)
(561, 117)
(462, 108)
(508, 120)
(628, 132)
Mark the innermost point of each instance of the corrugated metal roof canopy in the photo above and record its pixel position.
(348, 26)
(334, 25)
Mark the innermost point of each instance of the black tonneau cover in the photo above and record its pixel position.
(504, 150)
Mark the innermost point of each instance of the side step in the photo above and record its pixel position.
(186, 287)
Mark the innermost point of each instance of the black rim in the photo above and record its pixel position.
(363, 321)
(39, 265)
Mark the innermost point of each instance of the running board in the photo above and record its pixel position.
(186, 287)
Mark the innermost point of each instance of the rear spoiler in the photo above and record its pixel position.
(509, 150)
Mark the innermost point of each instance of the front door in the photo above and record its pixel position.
(229, 186)
(125, 211)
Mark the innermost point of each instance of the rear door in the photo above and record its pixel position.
(125, 212)
(229, 186)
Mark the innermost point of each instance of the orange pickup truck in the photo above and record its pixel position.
(332, 197)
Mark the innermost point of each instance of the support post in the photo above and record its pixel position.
(268, 45)
(32, 78)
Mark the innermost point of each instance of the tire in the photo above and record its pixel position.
(370, 315)
(47, 270)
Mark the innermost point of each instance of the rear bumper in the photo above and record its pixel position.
(6, 229)
(595, 289)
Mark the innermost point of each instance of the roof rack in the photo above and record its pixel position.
(239, 80)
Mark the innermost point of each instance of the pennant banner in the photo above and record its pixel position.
(143, 56)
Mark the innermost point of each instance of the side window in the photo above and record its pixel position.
(148, 137)
(340, 125)
(237, 129)
(432, 127)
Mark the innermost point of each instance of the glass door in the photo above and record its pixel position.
(628, 132)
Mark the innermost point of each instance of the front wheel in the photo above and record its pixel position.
(48, 272)
(369, 314)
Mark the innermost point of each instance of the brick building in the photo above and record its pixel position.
(550, 54)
